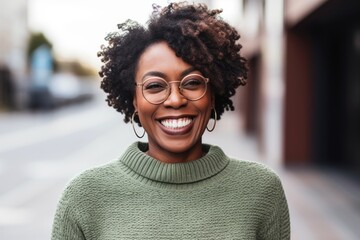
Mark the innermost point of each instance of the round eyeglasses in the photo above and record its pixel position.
(156, 89)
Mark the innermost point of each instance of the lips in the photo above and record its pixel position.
(176, 123)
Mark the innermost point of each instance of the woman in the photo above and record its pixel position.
(171, 78)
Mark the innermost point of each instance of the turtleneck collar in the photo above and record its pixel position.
(136, 160)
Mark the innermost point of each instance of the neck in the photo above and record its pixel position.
(165, 156)
(147, 168)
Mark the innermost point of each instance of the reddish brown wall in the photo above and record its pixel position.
(297, 99)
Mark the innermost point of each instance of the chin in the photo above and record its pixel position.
(178, 146)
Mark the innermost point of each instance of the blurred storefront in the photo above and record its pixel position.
(302, 101)
(323, 84)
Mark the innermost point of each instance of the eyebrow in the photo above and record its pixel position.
(187, 71)
(153, 74)
(162, 75)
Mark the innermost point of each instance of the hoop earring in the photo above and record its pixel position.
(133, 126)
(215, 118)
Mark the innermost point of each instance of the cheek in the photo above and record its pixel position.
(208, 101)
(145, 110)
(205, 107)
(139, 101)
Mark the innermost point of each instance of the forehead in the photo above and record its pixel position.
(159, 57)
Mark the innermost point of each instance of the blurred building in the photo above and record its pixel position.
(13, 40)
(302, 101)
(322, 78)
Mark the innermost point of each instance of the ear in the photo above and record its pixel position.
(135, 102)
(212, 100)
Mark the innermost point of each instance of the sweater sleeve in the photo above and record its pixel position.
(277, 224)
(66, 225)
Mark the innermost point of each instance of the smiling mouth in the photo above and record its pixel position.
(176, 123)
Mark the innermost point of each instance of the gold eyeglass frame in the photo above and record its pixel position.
(169, 88)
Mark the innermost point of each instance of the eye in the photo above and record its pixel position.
(192, 82)
(154, 85)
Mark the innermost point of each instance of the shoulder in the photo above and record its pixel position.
(256, 175)
(92, 182)
(257, 185)
(83, 194)
(253, 168)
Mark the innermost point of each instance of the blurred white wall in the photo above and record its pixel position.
(13, 43)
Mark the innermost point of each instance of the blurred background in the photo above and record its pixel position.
(299, 112)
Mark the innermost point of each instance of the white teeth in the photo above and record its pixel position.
(176, 123)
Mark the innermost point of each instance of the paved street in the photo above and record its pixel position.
(40, 152)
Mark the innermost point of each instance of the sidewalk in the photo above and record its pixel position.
(323, 205)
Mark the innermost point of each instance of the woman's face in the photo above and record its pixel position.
(174, 127)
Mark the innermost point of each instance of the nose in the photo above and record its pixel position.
(175, 98)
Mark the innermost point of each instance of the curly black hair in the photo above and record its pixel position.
(196, 34)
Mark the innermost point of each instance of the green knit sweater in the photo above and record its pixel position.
(138, 197)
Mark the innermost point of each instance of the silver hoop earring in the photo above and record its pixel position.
(133, 126)
(213, 127)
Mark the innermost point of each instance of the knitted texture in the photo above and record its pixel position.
(138, 197)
